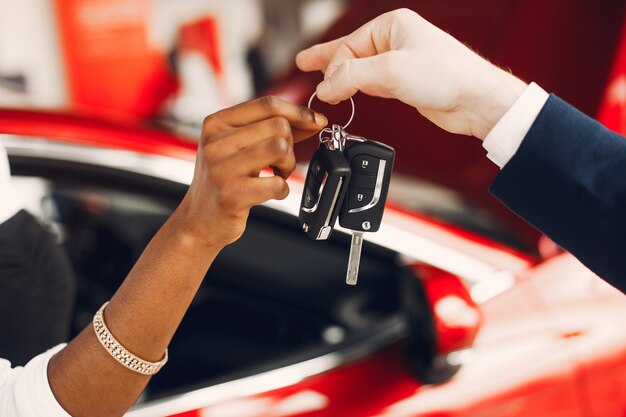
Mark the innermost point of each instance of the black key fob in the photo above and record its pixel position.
(324, 190)
(363, 206)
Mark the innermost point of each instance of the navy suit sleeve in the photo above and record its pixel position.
(568, 179)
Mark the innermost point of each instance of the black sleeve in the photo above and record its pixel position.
(568, 179)
(37, 290)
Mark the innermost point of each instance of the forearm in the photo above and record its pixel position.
(566, 179)
(143, 315)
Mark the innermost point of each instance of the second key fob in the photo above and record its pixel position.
(324, 191)
(363, 206)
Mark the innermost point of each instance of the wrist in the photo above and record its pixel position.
(184, 223)
(496, 96)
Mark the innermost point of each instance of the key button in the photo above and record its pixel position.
(309, 198)
(365, 164)
(359, 197)
(316, 169)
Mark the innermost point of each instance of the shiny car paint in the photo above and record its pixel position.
(532, 357)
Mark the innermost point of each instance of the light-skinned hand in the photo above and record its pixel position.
(401, 55)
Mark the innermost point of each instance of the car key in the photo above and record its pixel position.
(324, 190)
(371, 164)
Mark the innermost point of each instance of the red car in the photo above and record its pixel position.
(444, 321)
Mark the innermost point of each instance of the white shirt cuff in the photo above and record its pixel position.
(9, 202)
(507, 135)
(26, 392)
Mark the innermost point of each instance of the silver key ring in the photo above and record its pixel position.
(351, 102)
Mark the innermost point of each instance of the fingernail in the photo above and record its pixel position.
(320, 119)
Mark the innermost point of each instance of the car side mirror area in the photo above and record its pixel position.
(443, 321)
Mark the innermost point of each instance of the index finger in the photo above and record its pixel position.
(301, 118)
(370, 39)
(317, 57)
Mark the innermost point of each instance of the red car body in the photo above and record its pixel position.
(551, 342)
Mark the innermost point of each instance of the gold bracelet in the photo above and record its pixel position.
(119, 352)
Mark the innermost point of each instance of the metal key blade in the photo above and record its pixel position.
(355, 258)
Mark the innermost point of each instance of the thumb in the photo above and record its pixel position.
(373, 75)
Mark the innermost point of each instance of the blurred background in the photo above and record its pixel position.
(171, 62)
(152, 58)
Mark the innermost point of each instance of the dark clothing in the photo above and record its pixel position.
(37, 290)
(568, 179)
